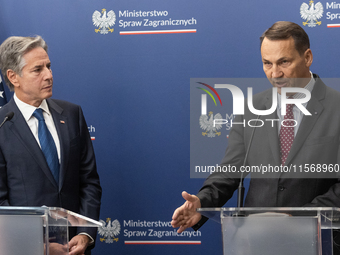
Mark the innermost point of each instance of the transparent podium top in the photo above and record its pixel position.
(329, 216)
(54, 216)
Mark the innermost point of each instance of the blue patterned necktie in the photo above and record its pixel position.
(47, 144)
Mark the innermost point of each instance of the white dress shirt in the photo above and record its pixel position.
(27, 111)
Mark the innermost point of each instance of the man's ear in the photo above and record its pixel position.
(308, 57)
(13, 77)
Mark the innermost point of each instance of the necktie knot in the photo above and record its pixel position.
(38, 113)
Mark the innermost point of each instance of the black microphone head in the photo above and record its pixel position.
(9, 115)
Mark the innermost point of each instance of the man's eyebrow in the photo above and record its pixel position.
(41, 65)
(37, 66)
(283, 58)
(279, 60)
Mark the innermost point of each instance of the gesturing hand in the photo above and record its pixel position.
(186, 215)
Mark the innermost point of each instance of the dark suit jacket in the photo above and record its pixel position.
(317, 142)
(25, 179)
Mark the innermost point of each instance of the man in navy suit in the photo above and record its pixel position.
(26, 178)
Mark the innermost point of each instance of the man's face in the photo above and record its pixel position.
(282, 63)
(36, 80)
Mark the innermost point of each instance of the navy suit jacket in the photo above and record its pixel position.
(26, 180)
(317, 142)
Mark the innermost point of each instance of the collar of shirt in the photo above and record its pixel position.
(27, 110)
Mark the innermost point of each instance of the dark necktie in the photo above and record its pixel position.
(287, 133)
(47, 144)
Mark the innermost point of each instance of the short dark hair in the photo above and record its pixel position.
(283, 30)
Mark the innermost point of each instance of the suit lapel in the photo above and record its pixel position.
(19, 127)
(61, 124)
(307, 124)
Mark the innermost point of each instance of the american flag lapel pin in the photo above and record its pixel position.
(62, 122)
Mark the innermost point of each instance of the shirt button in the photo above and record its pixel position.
(281, 188)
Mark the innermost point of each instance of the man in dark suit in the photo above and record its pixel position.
(286, 58)
(67, 177)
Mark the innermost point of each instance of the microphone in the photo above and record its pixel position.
(8, 116)
(240, 189)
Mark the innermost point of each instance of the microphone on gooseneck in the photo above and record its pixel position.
(8, 116)
(240, 189)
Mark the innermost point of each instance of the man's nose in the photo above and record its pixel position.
(276, 72)
(48, 73)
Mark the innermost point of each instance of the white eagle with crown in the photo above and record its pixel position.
(109, 231)
(311, 13)
(207, 124)
(104, 22)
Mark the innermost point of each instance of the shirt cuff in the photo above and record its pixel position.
(86, 234)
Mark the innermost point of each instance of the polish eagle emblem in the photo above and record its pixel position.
(104, 22)
(109, 231)
(311, 13)
(207, 124)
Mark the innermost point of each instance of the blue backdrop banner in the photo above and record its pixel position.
(132, 76)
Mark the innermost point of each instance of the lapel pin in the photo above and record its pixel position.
(62, 122)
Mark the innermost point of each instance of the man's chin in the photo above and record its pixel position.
(48, 94)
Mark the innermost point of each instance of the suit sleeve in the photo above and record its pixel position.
(90, 189)
(331, 198)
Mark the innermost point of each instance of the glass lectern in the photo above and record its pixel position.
(279, 231)
(38, 230)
